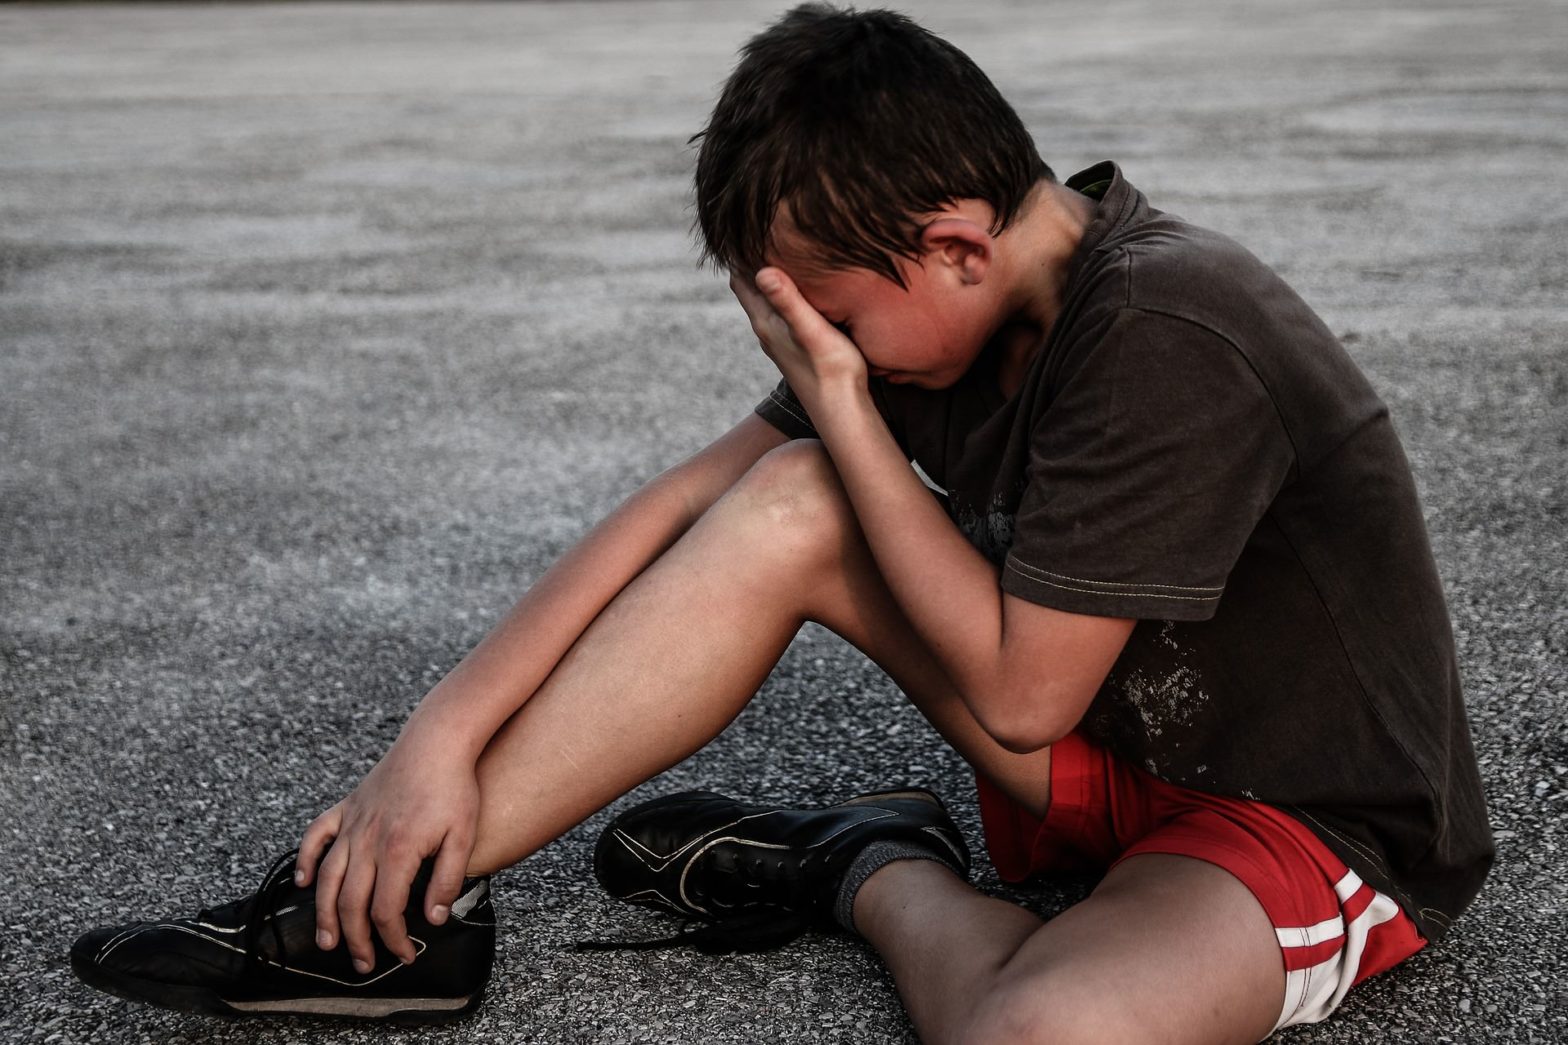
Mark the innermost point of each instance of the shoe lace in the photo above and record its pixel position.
(253, 911)
(757, 927)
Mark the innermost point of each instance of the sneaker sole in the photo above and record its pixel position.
(207, 1002)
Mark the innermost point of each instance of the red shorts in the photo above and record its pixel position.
(1334, 930)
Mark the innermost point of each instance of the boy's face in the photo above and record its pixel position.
(928, 335)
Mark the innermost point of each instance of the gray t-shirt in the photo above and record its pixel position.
(1192, 447)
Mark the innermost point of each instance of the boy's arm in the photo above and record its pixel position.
(421, 798)
(1026, 672)
(468, 706)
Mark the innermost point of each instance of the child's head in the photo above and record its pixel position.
(859, 121)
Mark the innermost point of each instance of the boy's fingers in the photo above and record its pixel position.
(446, 880)
(786, 299)
(750, 300)
(758, 310)
(318, 836)
(777, 290)
(771, 280)
(354, 912)
(329, 879)
(386, 910)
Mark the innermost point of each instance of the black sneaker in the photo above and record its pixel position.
(258, 956)
(756, 877)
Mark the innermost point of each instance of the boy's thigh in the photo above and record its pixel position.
(1167, 949)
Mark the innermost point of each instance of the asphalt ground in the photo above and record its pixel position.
(325, 329)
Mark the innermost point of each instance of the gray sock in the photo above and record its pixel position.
(872, 859)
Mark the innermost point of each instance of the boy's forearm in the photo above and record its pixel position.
(466, 708)
(1026, 673)
(949, 591)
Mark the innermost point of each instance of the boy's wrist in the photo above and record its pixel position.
(843, 397)
(433, 733)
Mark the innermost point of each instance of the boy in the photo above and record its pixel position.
(1171, 597)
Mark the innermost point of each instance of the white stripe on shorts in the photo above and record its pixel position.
(1313, 993)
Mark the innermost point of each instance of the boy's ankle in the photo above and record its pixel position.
(866, 881)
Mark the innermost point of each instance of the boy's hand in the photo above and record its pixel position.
(810, 352)
(412, 805)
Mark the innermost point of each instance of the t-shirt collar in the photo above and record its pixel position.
(1118, 204)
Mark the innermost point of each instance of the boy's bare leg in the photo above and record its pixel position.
(1168, 948)
(679, 652)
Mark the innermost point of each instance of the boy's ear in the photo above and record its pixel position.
(965, 247)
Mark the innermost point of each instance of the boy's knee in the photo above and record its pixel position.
(1047, 1008)
(795, 492)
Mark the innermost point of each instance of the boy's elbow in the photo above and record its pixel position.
(1045, 680)
(1027, 725)
(1027, 741)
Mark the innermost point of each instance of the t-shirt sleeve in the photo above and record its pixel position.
(783, 411)
(1147, 473)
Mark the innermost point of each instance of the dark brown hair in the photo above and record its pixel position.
(859, 120)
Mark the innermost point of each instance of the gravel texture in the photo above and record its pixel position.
(325, 329)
